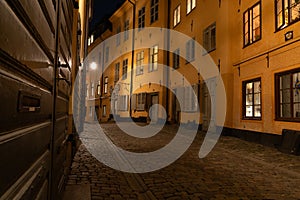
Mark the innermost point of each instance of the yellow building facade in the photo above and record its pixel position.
(254, 45)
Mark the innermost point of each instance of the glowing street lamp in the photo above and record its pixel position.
(93, 66)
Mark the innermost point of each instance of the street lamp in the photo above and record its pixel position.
(93, 66)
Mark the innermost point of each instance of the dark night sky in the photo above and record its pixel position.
(102, 8)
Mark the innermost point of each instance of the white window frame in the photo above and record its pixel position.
(140, 63)
(190, 50)
(209, 38)
(126, 30)
(154, 11)
(105, 85)
(153, 65)
(190, 5)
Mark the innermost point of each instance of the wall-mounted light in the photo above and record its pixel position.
(288, 35)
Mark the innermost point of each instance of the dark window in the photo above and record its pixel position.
(190, 50)
(252, 24)
(252, 99)
(117, 72)
(126, 30)
(176, 57)
(154, 11)
(118, 38)
(141, 18)
(287, 92)
(287, 12)
(209, 38)
(125, 68)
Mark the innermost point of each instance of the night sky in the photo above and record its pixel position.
(103, 8)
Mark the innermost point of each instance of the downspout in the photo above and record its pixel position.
(132, 54)
(54, 97)
(168, 58)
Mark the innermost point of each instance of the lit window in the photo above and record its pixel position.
(176, 57)
(252, 99)
(125, 68)
(140, 63)
(105, 85)
(153, 58)
(252, 24)
(92, 39)
(154, 11)
(287, 12)
(177, 15)
(190, 50)
(287, 94)
(92, 89)
(191, 4)
(126, 30)
(98, 89)
(141, 19)
(209, 40)
(117, 72)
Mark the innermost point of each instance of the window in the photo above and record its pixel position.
(190, 50)
(252, 24)
(252, 99)
(176, 57)
(140, 63)
(105, 85)
(153, 58)
(98, 88)
(91, 111)
(141, 18)
(87, 90)
(209, 38)
(177, 15)
(104, 111)
(154, 11)
(141, 101)
(106, 54)
(190, 5)
(123, 102)
(287, 12)
(125, 68)
(117, 71)
(118, 38)
(190, 98)
(287, 93)
(126, 30)
(92, 89)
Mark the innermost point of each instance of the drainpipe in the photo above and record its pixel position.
(132, 53)
(168, 57)
(54, 97)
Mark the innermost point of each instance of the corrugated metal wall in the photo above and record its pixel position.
(34, 103)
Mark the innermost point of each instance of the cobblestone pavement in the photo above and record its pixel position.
(235, 169)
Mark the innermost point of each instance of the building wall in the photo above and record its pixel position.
(236, 62)
(267, 63)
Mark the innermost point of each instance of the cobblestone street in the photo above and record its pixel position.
(235, 169)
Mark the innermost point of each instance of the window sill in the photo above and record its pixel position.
(252, 118)
(247, 45)
(288, 119)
